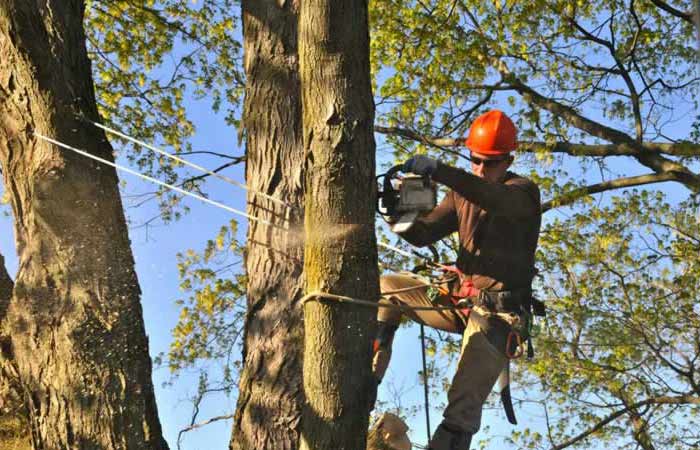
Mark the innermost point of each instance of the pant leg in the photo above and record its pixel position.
(446, 320)
(481, 361)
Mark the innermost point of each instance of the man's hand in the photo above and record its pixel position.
(420, 165)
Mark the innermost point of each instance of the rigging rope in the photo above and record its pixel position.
(197, 196)
(184, 161)
(151, 179)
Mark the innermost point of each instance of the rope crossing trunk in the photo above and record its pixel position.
(197, 196)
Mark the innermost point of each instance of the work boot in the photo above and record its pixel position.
(382, 349)
(447, 438)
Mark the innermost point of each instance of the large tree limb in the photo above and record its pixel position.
(576, 194)
(687, 16)
(662, 400)
(574, 149)
(654, 161)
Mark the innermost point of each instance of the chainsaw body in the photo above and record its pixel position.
(405, 198)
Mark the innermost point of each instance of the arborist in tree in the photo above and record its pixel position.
(497, 215)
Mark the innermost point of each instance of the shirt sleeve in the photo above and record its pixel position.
(517, 197)
(435, 225)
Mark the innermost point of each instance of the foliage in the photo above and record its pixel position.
(619, 72)
(622, 333)
(151, 60)
(211, 318)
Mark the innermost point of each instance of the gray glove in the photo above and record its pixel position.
(420, 165)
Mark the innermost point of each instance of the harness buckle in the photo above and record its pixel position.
(517, 351)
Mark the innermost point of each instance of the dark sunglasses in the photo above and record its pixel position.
(486, 162)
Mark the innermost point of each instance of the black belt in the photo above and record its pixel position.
(512, 301)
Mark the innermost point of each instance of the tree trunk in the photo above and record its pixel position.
(270, 387)
(14, 430)
(77, 334)
(340, 253)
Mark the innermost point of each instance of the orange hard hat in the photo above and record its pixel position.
(492, 133)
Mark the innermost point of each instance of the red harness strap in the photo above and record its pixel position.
(466, 289)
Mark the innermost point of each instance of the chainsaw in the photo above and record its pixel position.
(404, 198)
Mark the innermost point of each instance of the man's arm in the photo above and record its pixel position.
(434, 226)
(516, 199)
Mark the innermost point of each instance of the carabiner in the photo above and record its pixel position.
(509, 344)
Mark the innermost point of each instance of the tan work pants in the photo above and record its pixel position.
(482, 357)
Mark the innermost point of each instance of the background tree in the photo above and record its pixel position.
(270, 395)
(74, 320)
(14, 431)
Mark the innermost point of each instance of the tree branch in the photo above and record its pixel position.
(572, 196)
(654, 161)
(663, 400)
(201, 424)
(574, 149)
(687, 16)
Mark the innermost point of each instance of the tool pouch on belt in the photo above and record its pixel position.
(519, 302)
(503, 301)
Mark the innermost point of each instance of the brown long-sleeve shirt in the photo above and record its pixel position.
(498, 225)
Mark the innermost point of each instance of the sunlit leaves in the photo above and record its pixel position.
(620, 281)
(149, 57)
(210, 322)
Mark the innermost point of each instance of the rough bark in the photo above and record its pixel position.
(340, 251)
(14, 430)
(270, 386)
(77, 334)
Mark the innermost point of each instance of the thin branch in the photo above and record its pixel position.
(441, 143)
(236, 159)
(201, 424)
(574, 149)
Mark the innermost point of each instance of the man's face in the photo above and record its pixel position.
(490, 168)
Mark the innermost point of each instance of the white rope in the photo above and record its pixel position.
(185, 162)
(399, 251)
(151, 179)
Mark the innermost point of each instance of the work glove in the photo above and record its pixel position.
(420, 165)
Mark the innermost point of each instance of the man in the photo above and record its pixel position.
(497, 215)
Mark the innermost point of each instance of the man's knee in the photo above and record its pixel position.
(388, 314)
(494, 329)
